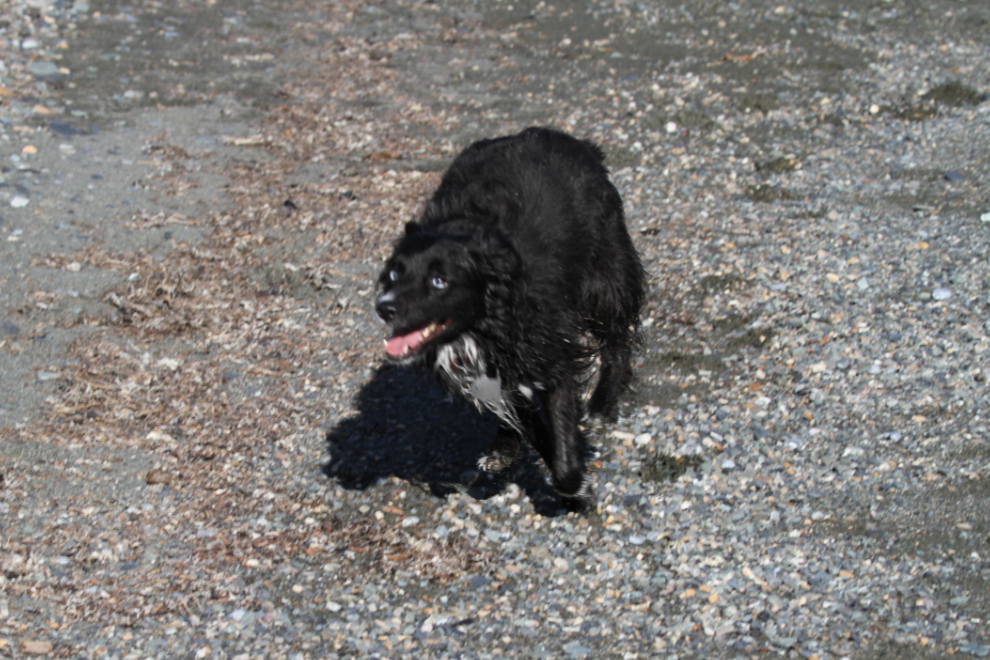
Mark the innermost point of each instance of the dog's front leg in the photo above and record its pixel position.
(555, 437)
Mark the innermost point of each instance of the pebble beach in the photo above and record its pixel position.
(202, 454)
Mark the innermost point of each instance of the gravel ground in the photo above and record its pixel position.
(202, 456)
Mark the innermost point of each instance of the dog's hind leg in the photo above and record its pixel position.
(554, 435)
(613, 376)
(503, 452)
(613, 297)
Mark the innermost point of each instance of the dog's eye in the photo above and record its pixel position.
(439, 283)
(393, 275)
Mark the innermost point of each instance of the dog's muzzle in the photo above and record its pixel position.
(386, 306)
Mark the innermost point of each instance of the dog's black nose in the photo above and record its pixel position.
(386, 307)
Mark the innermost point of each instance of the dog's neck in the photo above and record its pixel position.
(462, 367)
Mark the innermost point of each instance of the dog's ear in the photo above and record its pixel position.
(413, 228)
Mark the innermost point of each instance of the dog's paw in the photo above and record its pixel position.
(584, 500)
(502, 455)
(597, 421)
(601, 413)
(495, 462)
(498, 460)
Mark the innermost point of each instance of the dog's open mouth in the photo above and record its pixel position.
(402, 345)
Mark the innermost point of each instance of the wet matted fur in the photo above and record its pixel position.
(518, 273)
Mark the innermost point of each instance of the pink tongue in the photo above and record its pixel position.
(395, 345)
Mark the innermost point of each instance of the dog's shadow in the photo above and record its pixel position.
(408, 427)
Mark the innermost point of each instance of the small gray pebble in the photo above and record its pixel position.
(478, 581)
(59, 127)
(576, 650)
(43, 68)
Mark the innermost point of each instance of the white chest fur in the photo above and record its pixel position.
(461, 365)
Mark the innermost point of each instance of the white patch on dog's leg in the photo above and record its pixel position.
(526, 392)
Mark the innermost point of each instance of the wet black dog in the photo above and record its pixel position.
(519, 271)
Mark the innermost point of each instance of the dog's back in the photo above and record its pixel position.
(550, 193)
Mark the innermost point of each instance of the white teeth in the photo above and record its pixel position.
(405, 351)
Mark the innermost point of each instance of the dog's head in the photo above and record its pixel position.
(435, 286)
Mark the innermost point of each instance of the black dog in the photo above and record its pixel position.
(519, 271)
